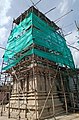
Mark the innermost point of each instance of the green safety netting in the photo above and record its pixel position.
(34, 30)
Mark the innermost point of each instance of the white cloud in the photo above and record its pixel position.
(5, 5)
(63, 6)
(74, 1)
(3, 35)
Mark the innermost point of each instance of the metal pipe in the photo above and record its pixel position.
(49, 10)
(57, 20)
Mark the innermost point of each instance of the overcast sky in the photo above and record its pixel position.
(10, 9)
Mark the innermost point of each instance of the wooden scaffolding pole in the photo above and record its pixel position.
(48, 96)
(52, 95)
(62, 85)
(26, 80)
(18, 93)
(31, 115)
(34, 86)
(73, 101)
(51, 84)
(9, 100)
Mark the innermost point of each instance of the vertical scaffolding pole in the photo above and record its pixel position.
(18, 92)
(34, 86)
(2, 109)
(26, 98)
(0, 79)
(19, 101)
(48, 96)
(9, 101)
(51, 84)
(62, 85)
(73, 101)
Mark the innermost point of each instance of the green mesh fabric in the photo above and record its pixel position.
(33, 30)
